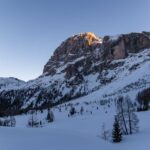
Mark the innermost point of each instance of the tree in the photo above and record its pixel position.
(126, 115)
(116, 133)
(72, 111)
(121, 115)
(33, 121)
(81, 110)
(143, 99)
(50, 116)
(12, 121)
(6, 122)
(104, 133)
(132, 118)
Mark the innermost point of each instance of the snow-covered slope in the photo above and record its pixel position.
(10, 83)
(77, 132)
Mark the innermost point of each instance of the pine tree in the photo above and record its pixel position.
(116, 133)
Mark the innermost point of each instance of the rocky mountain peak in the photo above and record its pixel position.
(90, 47)
(71, 49)
(76, 44)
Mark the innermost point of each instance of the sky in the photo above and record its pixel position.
(30, 30)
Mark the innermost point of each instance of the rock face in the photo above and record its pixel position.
(119, 47)
(78, 53)
(80, 65)
(71, 49)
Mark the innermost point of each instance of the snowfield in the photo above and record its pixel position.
(77, 133)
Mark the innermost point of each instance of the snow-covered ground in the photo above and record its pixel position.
(80, 132)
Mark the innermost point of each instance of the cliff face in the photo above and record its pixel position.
(120, 46)
(78, 53)
(71, 49)
(82, 64)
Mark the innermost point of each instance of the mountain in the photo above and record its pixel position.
(81, 65)
(10, 83)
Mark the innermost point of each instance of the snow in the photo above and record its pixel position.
(10, 83)
(114, 38)
(82, 132)
(45, 139)
(75, 133)
(63, 67)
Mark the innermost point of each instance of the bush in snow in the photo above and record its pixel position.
(72, 111)
(8, 121)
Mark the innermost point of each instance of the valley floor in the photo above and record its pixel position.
(77, 133)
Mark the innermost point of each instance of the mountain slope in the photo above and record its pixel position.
(10, 83)
(77, 132)
(81, 65)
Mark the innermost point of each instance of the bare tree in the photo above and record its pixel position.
(12, 121)
(126, 115)
(81, 110)
(104, 133)
(33, 121)
(121, 114)
(50, 116)
(132, 117)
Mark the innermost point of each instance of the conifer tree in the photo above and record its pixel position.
(116, 133)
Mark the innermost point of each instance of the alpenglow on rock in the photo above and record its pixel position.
(74, 47)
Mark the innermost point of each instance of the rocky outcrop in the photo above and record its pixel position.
(71, 49)
(119, 47)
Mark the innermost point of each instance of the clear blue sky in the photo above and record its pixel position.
(30, 30)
